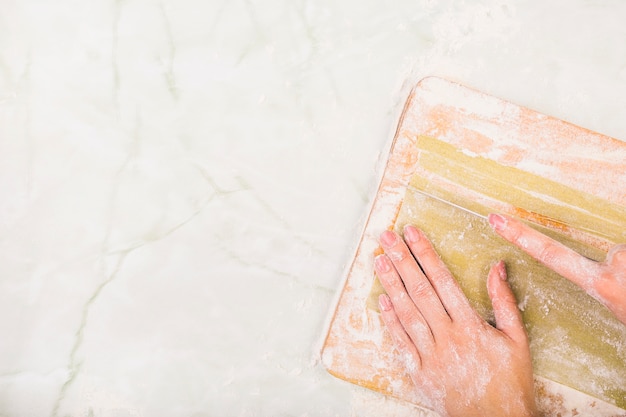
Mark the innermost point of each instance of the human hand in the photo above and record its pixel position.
(605, 281)
(460, 365)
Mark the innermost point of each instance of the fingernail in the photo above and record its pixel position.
(384, 302)
(388, 239)
(497, 222)
(411, 234)
(382, 263)
(502, 270)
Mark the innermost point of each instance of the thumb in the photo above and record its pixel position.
(508, 317)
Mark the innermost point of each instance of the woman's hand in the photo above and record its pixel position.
(605, 281)
(461, 366)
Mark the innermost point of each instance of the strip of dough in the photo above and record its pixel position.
(574, 339)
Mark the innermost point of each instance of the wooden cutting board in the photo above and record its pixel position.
(445, 126)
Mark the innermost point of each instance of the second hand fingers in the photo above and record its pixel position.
(556, 256)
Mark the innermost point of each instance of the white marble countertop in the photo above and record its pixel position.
(183, 182)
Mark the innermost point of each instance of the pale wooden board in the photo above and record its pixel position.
(356, 347)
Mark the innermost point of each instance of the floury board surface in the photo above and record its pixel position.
(440, 114)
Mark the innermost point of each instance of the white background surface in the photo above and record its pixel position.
(183, 182)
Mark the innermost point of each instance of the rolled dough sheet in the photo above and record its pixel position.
(574, 339)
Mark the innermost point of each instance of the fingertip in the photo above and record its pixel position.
(382, 263)
(388, 239)
(497, 276)
(497, 221)
(507, 314)
(499, 270)
(500, 280)
(384, 302)
(411, 234)
(493, 280)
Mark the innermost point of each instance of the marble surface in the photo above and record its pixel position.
(182, 183)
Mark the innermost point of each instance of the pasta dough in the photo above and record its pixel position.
(574, 340)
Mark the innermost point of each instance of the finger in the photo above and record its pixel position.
(611, 286)
(556, 256)
(508, 317)
(416, 283)
(404, 307)
(447, 288)
(616, 258)
(401, 340)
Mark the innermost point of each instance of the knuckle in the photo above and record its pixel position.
(393, 281)
(422, 251)
(395, 330)
(390, 280)
(517, 236)
(548, 255)
(408, 317)
(440, 275)
(397, 255)
(400, 344)
(420, 288)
